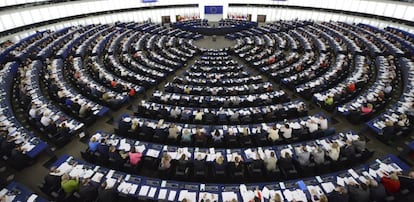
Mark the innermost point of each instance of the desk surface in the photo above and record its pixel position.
(17, 192)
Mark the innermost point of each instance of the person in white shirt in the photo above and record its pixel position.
(323, 123)
(303, 155)
(45, 120)
(33, 111)
(199, 116)
(270, 162)
(333, 153)
(175, 112)
(286, 131)
(273, 133)
(312, 126)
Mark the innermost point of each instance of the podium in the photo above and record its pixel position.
(214, 37)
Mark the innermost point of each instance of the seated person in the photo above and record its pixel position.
(377, 190)
(165, 162)
(303, 156)
(360, 144)
(53, 179)
(407, 180)
(93, 144)
(88, 190)
(114, 154)
(318, 155)
(329, 101)
(219, 165)
(69, 185)
(236, 167)
(333, 153)
(312, 126)
(273, 133)
(84, 111)
(286, 131)
(270, 162)
(182, 164)
(199, 164)
(199, 116)
(340, 194)
(286, 162)
(108, 193)
(146, 129)
(358, 193)
(103, 148)
(366, 109)
(200, 137)
(134, 156)
(348, 150)
(173, 132)
(186, 135)
(323, 123)
(217, 136)
(391, 183)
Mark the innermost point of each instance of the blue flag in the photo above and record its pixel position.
(213, 9)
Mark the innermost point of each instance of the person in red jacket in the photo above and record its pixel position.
(391, 183)
(351, 87)
(131, 92)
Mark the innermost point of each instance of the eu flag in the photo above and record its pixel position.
(213, 9)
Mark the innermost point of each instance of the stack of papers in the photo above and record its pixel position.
(97, 177)
(162, 195)
(328, 187)
(297, 194)
(185, 194)
(229, 196)
(32, 198)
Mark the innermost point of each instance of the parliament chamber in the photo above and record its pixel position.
(196, 101)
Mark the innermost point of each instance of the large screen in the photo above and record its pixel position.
(213, 9)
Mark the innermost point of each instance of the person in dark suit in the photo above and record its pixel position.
(159, 134)
(407, 180)
(7, 145)
(220, 167)
(148, 131)
(18, 157)
(286, 162)
(377, 191)
(340, 194)
(103, 148)
(52, 180)
(63, 130)
(114, 154)
(200, 138)
(124, 126)
(358, 193)
(52, 127)
(348, 150)
(108, 193)
(209, 117)
(236, 168)
(163, 112)
(88, 190)
(388, 131)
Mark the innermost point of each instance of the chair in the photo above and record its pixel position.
(255, 169)
(181, 171)
(323, 168)
(273, 175)
(231, 141)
